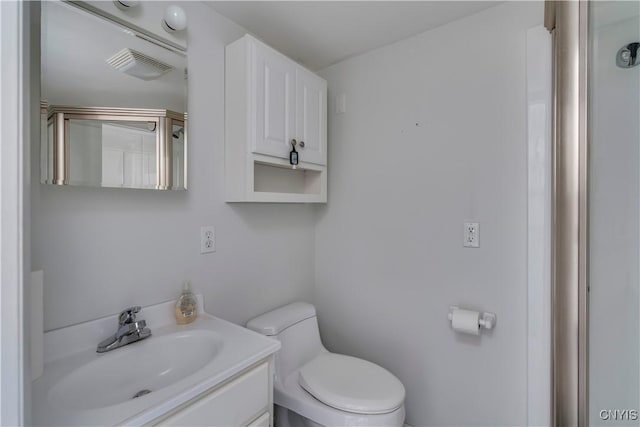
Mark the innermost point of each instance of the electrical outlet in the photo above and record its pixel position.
(207, 239)
(471, 235)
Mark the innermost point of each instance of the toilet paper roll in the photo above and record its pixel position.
(466, 321)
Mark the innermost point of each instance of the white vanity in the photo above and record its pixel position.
(210, 372)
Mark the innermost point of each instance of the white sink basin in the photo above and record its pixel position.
(178, 363)
(141, 367)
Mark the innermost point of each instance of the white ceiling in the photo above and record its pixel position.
(320, 33)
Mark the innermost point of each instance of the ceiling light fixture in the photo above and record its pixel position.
(174, 19)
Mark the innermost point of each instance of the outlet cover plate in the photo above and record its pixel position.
(471, 235)
(207, 239)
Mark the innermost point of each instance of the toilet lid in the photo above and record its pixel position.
(351, 384)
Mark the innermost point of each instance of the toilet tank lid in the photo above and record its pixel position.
(276, 321)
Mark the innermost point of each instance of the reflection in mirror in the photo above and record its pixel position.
(128, 154)
(114, 104)
(179, 159)
(114, 147)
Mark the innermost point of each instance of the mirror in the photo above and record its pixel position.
(113, 104)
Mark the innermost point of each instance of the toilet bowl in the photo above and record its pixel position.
(314, 387)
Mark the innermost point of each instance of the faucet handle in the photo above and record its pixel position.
(129, 315)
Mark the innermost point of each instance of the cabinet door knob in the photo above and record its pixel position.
(301, 144)
(294, 142)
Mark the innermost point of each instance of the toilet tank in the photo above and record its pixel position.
(296, 327)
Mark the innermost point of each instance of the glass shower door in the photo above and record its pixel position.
(614, 213)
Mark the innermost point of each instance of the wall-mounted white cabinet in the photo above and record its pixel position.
(271, 101)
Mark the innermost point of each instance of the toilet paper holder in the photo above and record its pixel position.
(485, 319)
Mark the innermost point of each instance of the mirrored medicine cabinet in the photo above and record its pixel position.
(113, 109)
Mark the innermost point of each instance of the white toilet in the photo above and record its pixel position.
(313, 387)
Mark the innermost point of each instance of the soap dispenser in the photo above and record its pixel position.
(186, 309)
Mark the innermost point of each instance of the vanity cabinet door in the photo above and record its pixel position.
(274, 97)
(311, 117)
(234, 404)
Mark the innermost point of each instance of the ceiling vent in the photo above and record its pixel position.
(138, 64)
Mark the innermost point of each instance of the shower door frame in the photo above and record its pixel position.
(568, 22)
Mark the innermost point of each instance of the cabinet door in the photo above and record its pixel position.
(231, 405)
(274, 80)
(311, 117)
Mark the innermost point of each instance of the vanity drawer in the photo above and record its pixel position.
(233, 404)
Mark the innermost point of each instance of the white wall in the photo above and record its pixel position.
(105, 249)
(539, 215)
(614, 195)
(434, 135)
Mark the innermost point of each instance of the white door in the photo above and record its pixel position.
(274, 78)
(311, 117)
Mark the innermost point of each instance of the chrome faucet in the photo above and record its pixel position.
(129, 330)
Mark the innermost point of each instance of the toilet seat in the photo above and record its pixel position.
(351, 384)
